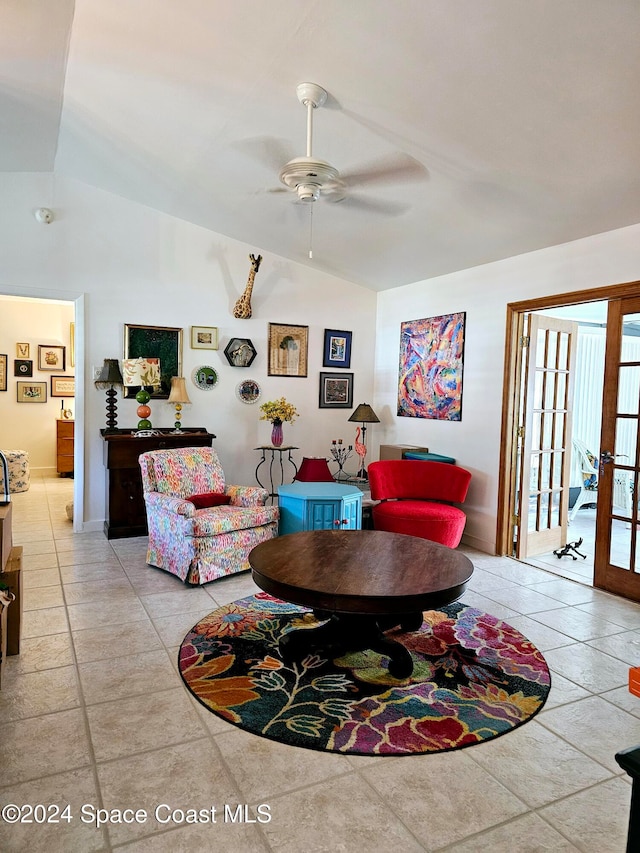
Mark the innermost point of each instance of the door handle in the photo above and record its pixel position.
(606, 457)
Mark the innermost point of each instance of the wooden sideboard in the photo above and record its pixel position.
(64, 446)
(126, 512)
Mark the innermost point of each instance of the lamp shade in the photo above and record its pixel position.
(110, 374)
(364, 414)
(178, 393)
(141, 372)
(314, 469)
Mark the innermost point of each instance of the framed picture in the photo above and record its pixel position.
(163, 342)
(248, 391)
(22, 367)
(32, 392)
(240, 352)
(72, 344)
(288, 347)
(336, 391)
(204, 337)
(337, 348)
(430, 370)
(205, 378)
(51, 357)
(3, 372)
(22, 350)
(63, 386)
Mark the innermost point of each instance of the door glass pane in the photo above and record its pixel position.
(547, 431)
(555, 509)
(532, 516)
(629, 390)
(620, 544)
(561, 381)
(552, 346)
(559, 431)
(563, 351)
(535, 430)
(622, 493)
(541, 348)
(550, 391)
(626, 439)
(544, 511)
(537, 390)
(558, 458)
(546, 471)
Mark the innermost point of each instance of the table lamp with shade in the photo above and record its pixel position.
(178, 396)
(110, 377)
(364, 415)
(143, 373)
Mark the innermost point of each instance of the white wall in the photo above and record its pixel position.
(136, 265)
(32, 426)
(483, 292)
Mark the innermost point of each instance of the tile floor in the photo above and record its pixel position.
(95, 715)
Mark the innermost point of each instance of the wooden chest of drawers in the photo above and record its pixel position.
(64, 446)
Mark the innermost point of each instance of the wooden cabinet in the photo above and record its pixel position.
(319, 506)
(64, 446)
(126, 512)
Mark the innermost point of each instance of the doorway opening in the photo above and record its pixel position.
(563, 402)
(77, 302)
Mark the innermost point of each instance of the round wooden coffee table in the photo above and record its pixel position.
(363, 582)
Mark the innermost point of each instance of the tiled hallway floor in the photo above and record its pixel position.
(94, 714)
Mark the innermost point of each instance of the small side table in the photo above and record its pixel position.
(319, 506)
(284, 455)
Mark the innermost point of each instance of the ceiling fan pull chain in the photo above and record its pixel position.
(310, 231)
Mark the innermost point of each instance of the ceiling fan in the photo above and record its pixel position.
(311, 178)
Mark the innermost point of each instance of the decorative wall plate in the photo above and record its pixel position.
(205, 378)
(248, 391)
(240, 352)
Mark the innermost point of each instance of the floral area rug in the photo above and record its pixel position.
(474, 678)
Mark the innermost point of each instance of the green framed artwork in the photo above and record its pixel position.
(163, 342)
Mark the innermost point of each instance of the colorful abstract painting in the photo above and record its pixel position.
(430, 372)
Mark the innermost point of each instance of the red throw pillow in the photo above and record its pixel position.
(208, 499)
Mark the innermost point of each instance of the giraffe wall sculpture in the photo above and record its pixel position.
(242, 308)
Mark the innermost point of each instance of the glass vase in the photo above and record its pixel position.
(277, 435)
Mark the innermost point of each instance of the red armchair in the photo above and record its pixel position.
(416, 498)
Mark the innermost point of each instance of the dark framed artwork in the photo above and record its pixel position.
(163, 342)
(288, 346)
(430, 369)
(336, 391)
(63, 386)
(22, 367)
(337, 348)
(32, 392)
(51, 357)
(3, 372)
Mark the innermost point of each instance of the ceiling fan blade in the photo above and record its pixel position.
(370, 205)
(387, 170)
(267, 150)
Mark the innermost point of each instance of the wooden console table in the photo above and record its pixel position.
(126, 512)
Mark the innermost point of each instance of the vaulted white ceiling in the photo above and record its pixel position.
(521, 119)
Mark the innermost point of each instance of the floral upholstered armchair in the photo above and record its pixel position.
(199, 528)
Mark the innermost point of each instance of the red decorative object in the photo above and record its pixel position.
(416, 498)
(209, 499)
(314, 469)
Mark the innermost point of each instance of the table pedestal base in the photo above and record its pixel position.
(344, 633)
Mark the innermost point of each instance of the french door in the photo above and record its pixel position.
(617, 552)
(544, 435)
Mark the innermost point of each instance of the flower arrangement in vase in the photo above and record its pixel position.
(278, 411)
